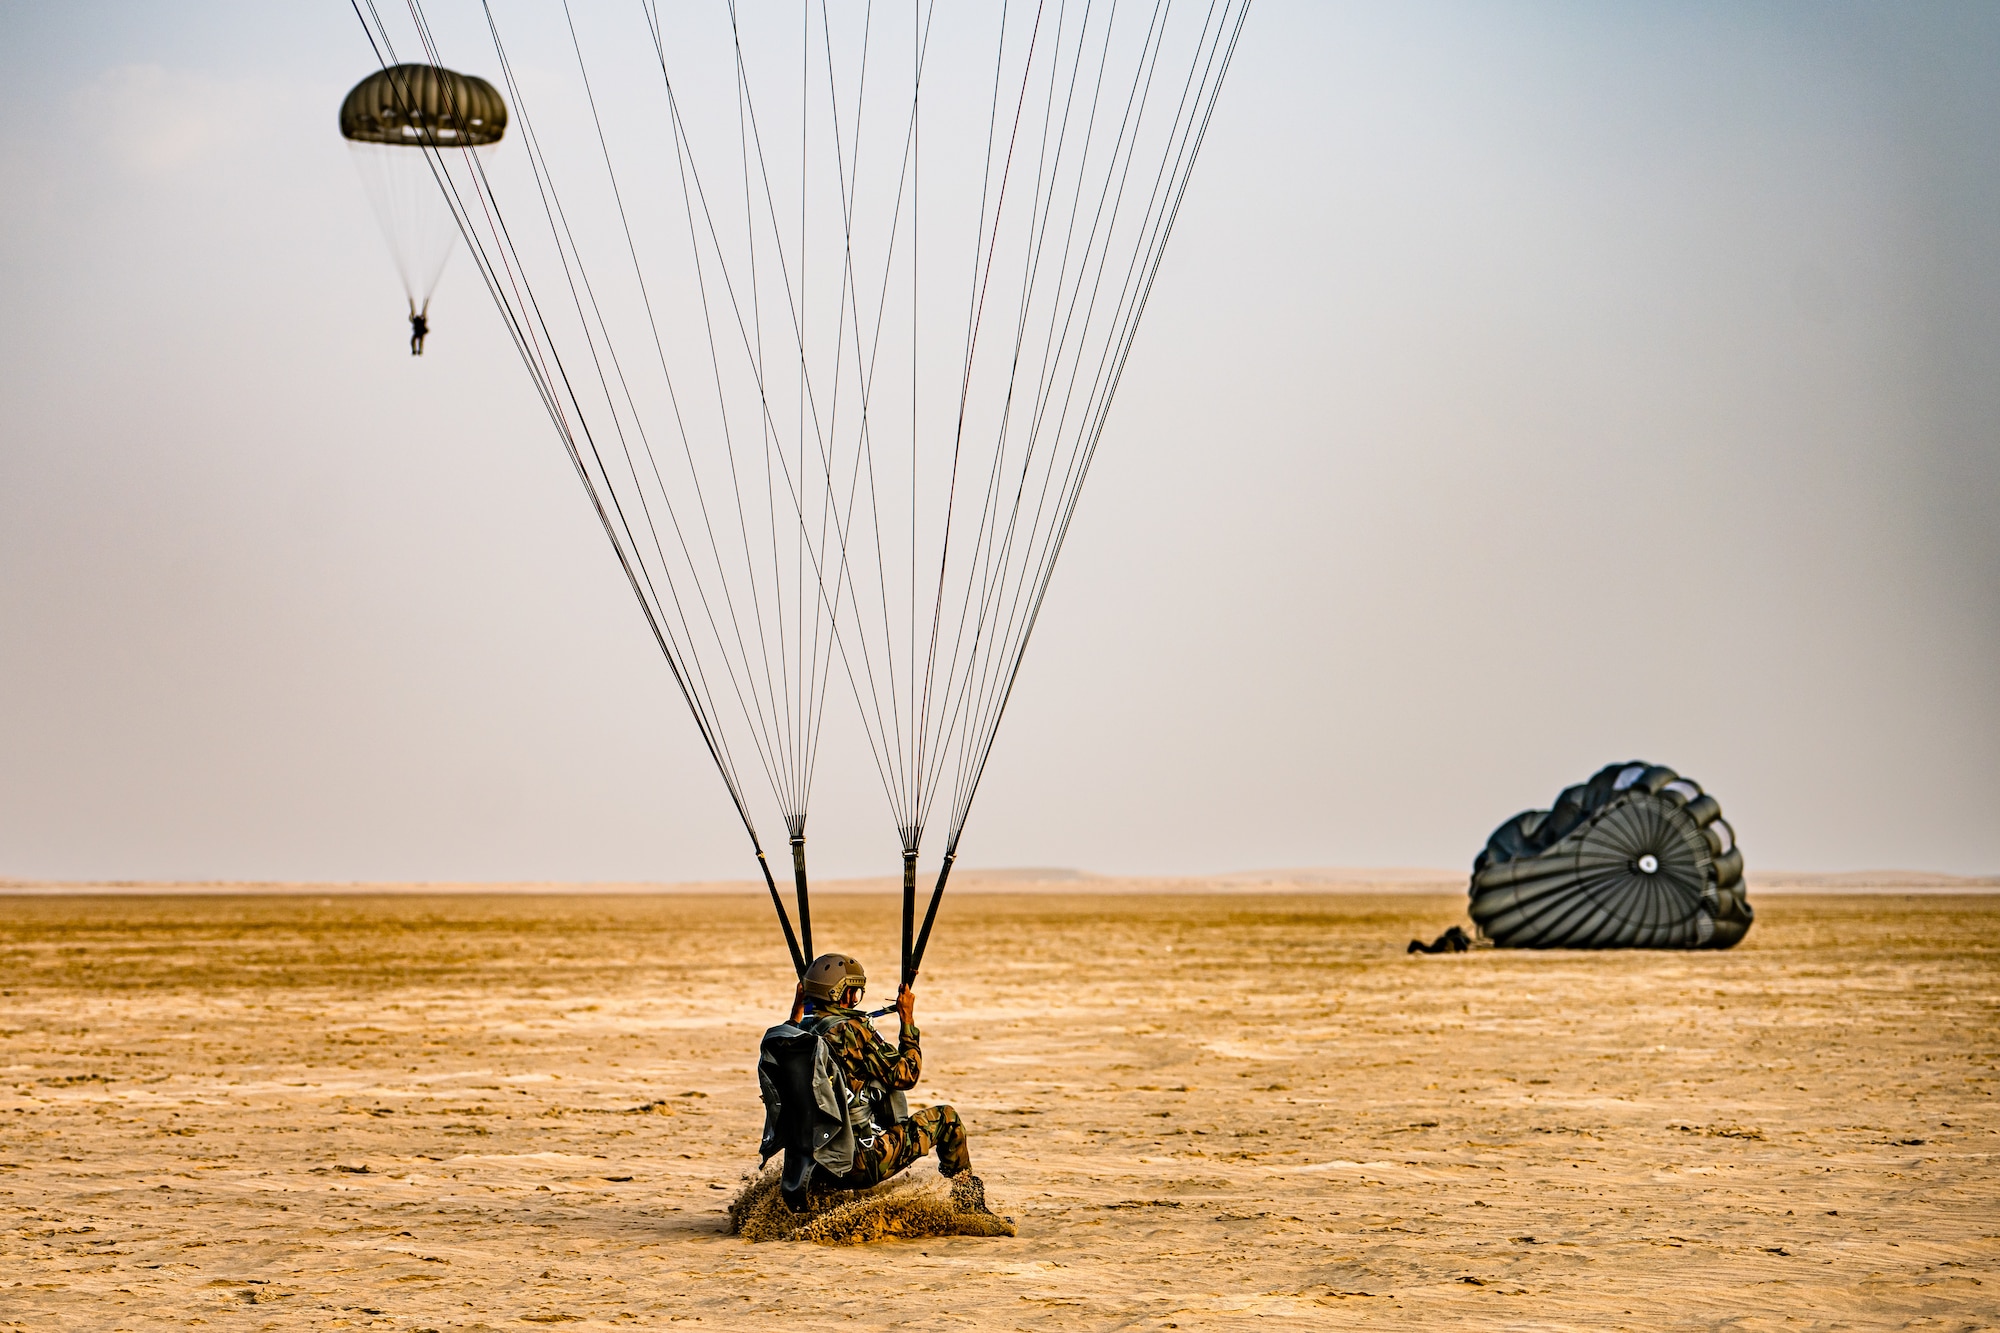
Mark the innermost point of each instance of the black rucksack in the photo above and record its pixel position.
(812, 1114)
(790, 1060)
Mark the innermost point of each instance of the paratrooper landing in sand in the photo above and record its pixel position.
(827, 1055)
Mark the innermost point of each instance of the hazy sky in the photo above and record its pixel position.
(1528, 387)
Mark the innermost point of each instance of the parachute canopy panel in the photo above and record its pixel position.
(423, 106)
(1636, 858)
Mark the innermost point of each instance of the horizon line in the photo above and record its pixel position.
(1316, 880)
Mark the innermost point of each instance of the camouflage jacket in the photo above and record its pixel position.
(864, 1057)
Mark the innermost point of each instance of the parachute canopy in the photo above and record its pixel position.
(395, 122)
(1636, 858)
(420, 105)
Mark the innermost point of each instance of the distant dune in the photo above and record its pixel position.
(1030, 879)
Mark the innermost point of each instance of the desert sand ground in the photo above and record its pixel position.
(1205, 1112)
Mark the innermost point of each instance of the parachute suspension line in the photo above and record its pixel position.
(689, 170)
(783, 751)
(526, 325)
(958, 437)
(1068, 493)
(1073, 262)
(769, 751)
(1002, 665)
(794, 811)
(845, 574)
(801, 949)
(793, 799)
(985, 709)
(522, 329)
(765, 422)
(886, 737)
(1031, 276)
(907, 181)
(747, 133)
(690, 175)
(890, 749)
(1000, 556)
(1183, 166)
(1047, 177)
(798, 573)
(996, 559)
(772, 750)
(1175, 175)
(914, 955)
(795, 720)
(774, 769)
(913, 830)
(847, 186)
(1192, 120)
(704, 711)
(887, 747)
(974, 316)
(795, 308)
(569, 251)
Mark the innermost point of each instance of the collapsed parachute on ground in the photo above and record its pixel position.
(1636, 858)
(388, 120)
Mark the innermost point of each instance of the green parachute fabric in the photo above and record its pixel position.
(418, 105)
(1636, 858)
(389, 120)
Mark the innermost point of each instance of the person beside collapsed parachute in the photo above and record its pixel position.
(833, 1095)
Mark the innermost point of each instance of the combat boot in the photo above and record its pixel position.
(968, 1194)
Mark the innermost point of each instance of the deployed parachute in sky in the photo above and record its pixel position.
(1636, 858)
(827, 304)
(388, 119)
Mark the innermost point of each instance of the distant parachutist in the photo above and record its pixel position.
(399, 123)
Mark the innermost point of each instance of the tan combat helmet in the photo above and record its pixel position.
(831, 976)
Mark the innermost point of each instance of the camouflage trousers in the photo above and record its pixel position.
(875, 1160)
